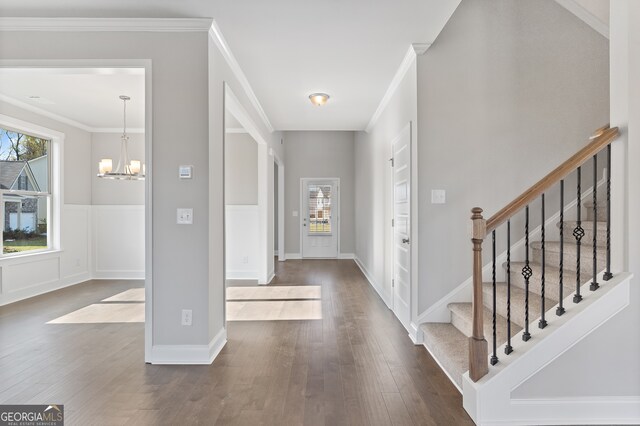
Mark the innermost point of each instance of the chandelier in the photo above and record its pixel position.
(126, 169)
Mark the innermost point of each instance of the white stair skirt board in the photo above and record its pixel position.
(189, 354)
(489, 401)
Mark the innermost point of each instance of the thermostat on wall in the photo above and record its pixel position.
(184, 172)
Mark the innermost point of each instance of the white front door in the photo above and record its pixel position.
(320, 213)
(402, 226)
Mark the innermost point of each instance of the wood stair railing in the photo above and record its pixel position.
(478, 346)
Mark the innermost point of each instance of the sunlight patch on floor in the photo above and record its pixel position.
(274, 310)
(104, 313)
(131, 295)
(274, 292)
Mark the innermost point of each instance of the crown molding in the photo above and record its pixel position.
(62, 119)
(218, 38)
(409, 58)
(106, 24)
(585, 16)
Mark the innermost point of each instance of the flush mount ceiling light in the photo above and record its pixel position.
(318, 99)
(126, 170)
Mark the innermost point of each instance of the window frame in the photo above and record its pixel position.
(54, 193)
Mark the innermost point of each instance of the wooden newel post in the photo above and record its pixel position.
(478, 349)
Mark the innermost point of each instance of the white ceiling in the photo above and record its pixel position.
(84, 97)
(291, 48)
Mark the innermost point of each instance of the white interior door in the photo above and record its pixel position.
(402, 226)
(320, 217)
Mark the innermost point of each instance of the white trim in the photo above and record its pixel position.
(293, 256)
(415, 334)
(106, 24)
(585, 16)
(189, 354)
(272, 275)
(369, 278)
(218, 38)
(242, 275)
(346, 256)
(136, 130)
(238, 130)
(409, 58)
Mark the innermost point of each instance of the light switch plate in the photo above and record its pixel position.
(185, 217)
(294, 213)
(185, 172)
(438, 196)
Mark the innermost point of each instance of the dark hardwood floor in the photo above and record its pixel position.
(355, 366)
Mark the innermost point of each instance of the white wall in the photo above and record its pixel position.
(240, 169)
(505, 94)
(604, 366)
(373, 180)
(320, 154)
(108, 191)
(242, 255)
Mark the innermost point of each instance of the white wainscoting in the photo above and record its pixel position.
(29, 275)
(242, 240)
(118, 242)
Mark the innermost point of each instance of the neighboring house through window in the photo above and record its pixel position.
(25, 195)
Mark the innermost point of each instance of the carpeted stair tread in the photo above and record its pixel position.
(517, 302)
(449, 346)
(551, 277)
(462, 319)
(587, 225)
(601, 210)
(570, 250)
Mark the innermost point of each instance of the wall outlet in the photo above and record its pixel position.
(294, 213)
(187, 317)
(245, 259)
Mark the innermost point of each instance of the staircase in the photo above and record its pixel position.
(449, 342)
(556, 290)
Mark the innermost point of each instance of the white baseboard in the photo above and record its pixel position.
(242, 275)
(189, 354)
(415, 334)
(118, 275)
(385, 298)
(293, 256)
(346, 256)
(272, 275)
(33, 291)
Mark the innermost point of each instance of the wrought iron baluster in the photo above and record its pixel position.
(594, 280)
(494, 357)
(608, 275)
(560, 309)
(508, 348)
(578, 233)
(543, 322)
(526, 273)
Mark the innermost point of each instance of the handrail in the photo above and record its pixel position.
(603, 137)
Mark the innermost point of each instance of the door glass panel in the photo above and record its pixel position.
(319, 209)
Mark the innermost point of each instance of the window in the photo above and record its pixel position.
(319, 209)
(25, 195)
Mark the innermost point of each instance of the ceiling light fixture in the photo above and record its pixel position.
(126, 170)
(318, 99)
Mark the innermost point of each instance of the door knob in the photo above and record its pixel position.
(405, 241)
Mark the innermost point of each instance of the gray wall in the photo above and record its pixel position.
(508, 91)
(373, 183)
(107, 191)
(240, 169)
(319, 154)
(180, 114)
